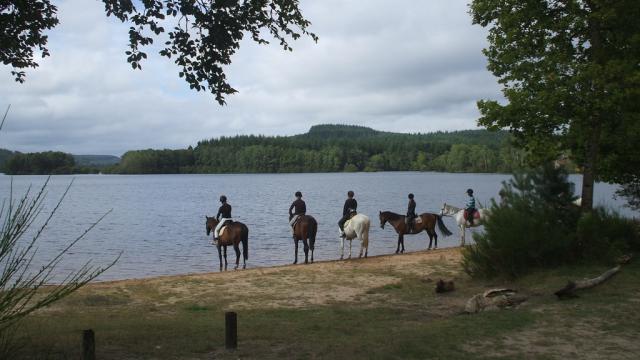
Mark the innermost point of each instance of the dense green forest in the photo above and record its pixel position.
(49, 162)
(331, 148)
(53, 162)
(325, 148)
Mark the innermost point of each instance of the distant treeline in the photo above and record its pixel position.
(325, 148)
(335, 148)
(53, 162)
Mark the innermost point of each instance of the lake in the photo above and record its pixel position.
(157, 221)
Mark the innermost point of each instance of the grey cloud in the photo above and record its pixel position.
(396, 66)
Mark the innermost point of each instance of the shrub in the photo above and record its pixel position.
(536, 225)
(533, 226)
(602, 236)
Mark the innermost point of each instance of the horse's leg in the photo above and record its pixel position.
(430, 239)
(350, 243)
(361, 246)
(398, 247)
(402, 242)
(435, 237)
(462, 234)
(219, 255)
(225, 258)
(341, 248)
(295, 241)
(237, 249)
(306, 250)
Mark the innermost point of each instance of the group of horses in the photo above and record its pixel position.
(305, 230)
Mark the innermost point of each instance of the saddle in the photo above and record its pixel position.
(476, 215)
(224, 227)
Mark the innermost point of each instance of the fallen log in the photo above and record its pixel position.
(572, 286)
(494, 299)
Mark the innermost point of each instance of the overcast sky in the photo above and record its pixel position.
(404, 66)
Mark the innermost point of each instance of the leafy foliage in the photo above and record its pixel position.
(201, 37)
(23, 24)
(531, 227)
(631, 191)
(535, 225)
(50, 162)
(569, 70)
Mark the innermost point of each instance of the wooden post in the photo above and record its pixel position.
(88, 345)
(231, 330)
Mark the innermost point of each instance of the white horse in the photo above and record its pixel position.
(356, 227)
(458, 215)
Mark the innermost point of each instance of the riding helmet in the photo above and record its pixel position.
(298, 194)
(350, 194)
(410, 196)
(469, 191)
(223, 199)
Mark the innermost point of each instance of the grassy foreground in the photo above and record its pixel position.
(382, 307)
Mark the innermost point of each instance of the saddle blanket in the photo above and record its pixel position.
(222, 230)
(476, 214)
(417, 220)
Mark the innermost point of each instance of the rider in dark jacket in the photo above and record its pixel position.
(297, 208)
(223, 216)
(348, 210)
(411, 213)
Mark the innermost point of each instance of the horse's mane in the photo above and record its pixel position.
(391, 215)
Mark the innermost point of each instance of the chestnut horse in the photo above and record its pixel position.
(234, 234)
(427, 222)
(305, 229)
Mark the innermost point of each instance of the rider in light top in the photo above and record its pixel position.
(299, 208)
(470, 207)
(411, 213)
(349, 208)
(224, 215)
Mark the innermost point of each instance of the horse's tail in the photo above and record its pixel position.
(245, 241)
(312, 229)
(443, 229)
(365, 233)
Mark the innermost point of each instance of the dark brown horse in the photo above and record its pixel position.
(305, 229)
(234, 234)
(426, 222)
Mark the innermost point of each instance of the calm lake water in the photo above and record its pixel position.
(157, 221)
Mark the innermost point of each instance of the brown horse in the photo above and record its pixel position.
(427, 222)
(234, 234)
(305, 229)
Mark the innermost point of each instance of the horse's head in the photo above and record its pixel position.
(210, 224)
(383, 219)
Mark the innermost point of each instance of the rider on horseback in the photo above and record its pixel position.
(224, 215)
(470, 207)
(348, 210)
(411, 213)
(299, 209)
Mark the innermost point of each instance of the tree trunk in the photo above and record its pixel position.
(595, 123)
(589, 170)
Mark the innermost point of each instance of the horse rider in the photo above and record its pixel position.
(411, 213)
(224, 215)
(348, 210)
(470, 207)
(299, 209)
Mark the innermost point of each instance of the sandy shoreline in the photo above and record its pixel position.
(450, 253)
(300, 285)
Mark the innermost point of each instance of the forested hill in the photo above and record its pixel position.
(334, 148)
